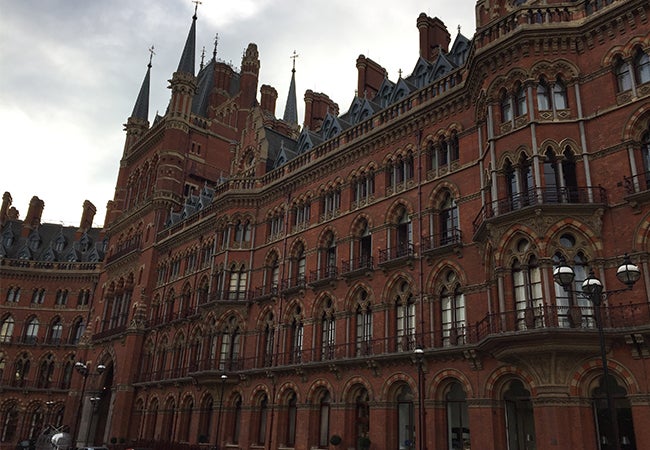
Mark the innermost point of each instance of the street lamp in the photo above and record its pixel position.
(84, 371)
(419, 354)
(592, 289)
(94, 401)
(224, 377)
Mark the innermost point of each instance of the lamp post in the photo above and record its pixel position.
(592, 289)
(84, 371)
(224, 377)
(94, 401)
(419, 354)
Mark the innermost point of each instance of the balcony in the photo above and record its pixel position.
(359, 266)
(637, 188)
(396, 256)
(441, 243)
(547, 200)
(293, 285)
(231, 296)
(323, 276)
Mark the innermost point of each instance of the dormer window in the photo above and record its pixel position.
(84, 244)
(59, 244)
(34, 242)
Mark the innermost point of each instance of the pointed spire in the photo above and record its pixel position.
(141, 108)
(291, 108)
(186, 64)
(216, 43)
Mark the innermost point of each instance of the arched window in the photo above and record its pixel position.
(573, 309)
(527, 285)
(9, 422)
(645, 154)
(7, 329)
(328, 332)
(205, 418)
(230, 346)
(457, 417)
(520, 100)
(272, 274)
(66, 379)
(262, 416)
(543, 95)
(77, 330)
(405, 318)
(505, 103)
(623, 75)
(31, 331)
(269, 334)
(296, 336)
(292, 412)
(559, 94)
(236, 423)
(405, 419)
(641, 67)
(520, 422)
(449, 226)
(363, 319)
(452, 311)
(330, 256)
(186, 418)
(361, 414)
(403, 234)
(21, 370)
(324, 420)
(56, 331)
(623, 413)
(238, 283)
(152, 419)
(299, 265)
(45, 372)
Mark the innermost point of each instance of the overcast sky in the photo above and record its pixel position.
(70, 71)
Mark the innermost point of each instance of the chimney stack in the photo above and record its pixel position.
(434, 37)
(317, 105)
(371, 76)
(87, 216)
(269, 96)
(6, 203)
(34, 213)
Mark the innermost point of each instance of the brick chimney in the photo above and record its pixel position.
(6, 203)
(269, 96)
(317, 106)
(34, 213)
(87, 216)
(434, 37)
(371, 75)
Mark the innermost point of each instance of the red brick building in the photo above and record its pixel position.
(384, 274)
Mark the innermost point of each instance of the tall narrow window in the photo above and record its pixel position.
(528, 292)
(56, 331)
(297, 333)
(449, 228)
(452, 305)
(328, 330)
(405, 318)
(262, 419)
(31, 331)
(405, 422)
(506, 107)
(543, 95)
(363, 318)
(623, 414)
(7, 329)
(645, 151)
(324, 421)
(292, 411)
(559, 94)
(642, 67)
(520, 422)
(457, 417)
(520, 101)
(623, 76)
(236, 423)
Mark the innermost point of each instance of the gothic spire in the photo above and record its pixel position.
(291, 108)
(141, 108)
(186, 64)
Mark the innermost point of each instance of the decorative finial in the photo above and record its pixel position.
(400, 73)
(196, 7)
(151, 53)
(294, 56)
(458, 28)
(216, 42)
(202, 57)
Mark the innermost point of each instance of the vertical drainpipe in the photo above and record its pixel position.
(583, 141)
(279, 318)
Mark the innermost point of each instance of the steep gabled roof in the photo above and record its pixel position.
(186, 64)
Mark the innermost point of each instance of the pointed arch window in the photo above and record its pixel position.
(560, 100)
(262, 416)
(77, 330)
(13, 295)
(527, 284)
(543, 95)
(230, 347)
(405, 419)
(324, 420)
(296, 336)
(363, 319)
(46, 372)
(21, 370)
(66, 379)
(623, 75)
(328, 332)
(449, 224)
(520, 422)
(236, 423)
(205, 418)
(9, 422)
(7, 329)
(520, 100)
(573, 309)
(452, 313)
(641, 67)
(623, 413)
(457, 417)
(269, 340)
(292, 412)
(31, 331)
(56, 332)
(405, 318)
(506, 107)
